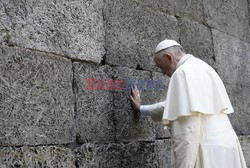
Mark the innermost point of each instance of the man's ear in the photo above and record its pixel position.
(169, 57)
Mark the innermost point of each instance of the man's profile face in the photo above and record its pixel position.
(165, 63)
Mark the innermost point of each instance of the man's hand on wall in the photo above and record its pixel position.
(135, 99)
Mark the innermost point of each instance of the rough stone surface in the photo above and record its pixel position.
(158, 96)
(106, 115)
(196, 39)
(168, 7)
(129, 125)
(124, 155)
(71, 28)
(239, 96)
(94, 118)
(130, 40)
(245, 144)
(41, 156)
(229, 16)
(232, 58)
(191, 10)
(232, 62)
(248, 2)
(36, 105)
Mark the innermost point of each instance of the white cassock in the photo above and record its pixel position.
(196, 108)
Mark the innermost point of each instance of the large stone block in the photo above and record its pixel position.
(131, 126)
(159, 96)
(248, 10)
(95, 121)
(168, 7)
(40, 156)
(99, 155)
(232, 58)
(192, 9)
(36, 99)
(106, 115)
(71, 28)
(228, 16)
(153, 154)
(133, 31)
(239, 96)
(5, 24)
(121, 155)
(196, 39)
(245, 145)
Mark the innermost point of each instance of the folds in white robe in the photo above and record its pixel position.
(197, 104)
(195, 87)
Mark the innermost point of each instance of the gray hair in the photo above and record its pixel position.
(175, 50)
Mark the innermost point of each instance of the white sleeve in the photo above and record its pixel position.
(144, 109)
(155, 111)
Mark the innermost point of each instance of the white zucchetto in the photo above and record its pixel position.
(166, 44)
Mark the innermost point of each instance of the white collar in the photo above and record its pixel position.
(183, 60)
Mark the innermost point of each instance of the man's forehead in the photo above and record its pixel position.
(156, 56)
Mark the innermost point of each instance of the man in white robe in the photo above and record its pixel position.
(196, 109)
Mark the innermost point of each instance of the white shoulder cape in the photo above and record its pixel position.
(195, 87)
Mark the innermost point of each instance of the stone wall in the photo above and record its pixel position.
(48, 116)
